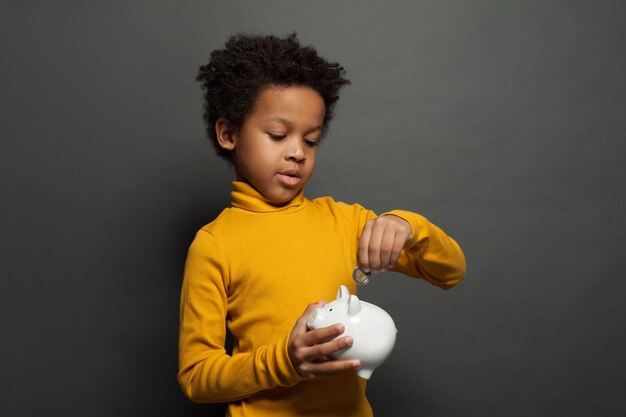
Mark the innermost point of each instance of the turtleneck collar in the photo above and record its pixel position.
(246, 197)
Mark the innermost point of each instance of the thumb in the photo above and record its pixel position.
(301, 326)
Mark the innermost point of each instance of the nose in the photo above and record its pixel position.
(295, 152)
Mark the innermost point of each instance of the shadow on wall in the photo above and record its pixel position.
(166, 225)
(190, 221)
(190, 226)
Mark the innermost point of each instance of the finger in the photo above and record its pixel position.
(373, 251)
(364, 245)
(323, 335)
(324, 369)
(306, 353)
(397, 250)
(301, 326)
(326, 349)
(386, 248)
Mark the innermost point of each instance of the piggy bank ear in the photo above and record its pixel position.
(343, 293)
(354, 305)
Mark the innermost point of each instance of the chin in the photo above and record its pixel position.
(283, 197)
(280, 200)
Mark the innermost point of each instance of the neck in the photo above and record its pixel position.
(246, 197)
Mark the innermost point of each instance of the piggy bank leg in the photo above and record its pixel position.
(364, 373)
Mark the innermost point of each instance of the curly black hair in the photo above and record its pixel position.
(235, 76)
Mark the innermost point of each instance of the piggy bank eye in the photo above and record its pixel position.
(330, 309)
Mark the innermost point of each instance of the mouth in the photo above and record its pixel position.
(290, 177)
(291, 173)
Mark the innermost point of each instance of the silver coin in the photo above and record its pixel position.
(360, 277)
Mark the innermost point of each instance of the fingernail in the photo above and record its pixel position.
(340, 327)
(356, 363)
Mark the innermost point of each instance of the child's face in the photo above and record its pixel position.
(276, 147)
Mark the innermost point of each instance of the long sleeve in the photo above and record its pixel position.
(206, 372)
(253, 270)
(430, 254)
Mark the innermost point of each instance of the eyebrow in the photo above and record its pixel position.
(289, 124)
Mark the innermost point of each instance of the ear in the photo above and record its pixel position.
(343, 293)
(354, 305)
(225, 134)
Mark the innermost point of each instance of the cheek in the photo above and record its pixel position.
(312, 159)
(256, 157)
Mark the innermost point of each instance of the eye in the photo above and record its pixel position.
(311, 143)
(330, 309)
(276, 137)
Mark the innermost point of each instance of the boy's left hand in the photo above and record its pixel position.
(382, 241)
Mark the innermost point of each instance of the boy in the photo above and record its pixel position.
(260, 262)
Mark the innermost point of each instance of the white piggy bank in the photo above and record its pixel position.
(372, 329)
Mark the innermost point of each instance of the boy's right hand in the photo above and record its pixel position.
(310, 350)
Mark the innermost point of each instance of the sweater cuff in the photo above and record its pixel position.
(290, 375)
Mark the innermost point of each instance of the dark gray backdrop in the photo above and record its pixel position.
(501, 121)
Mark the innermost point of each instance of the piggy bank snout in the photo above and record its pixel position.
(313, 317)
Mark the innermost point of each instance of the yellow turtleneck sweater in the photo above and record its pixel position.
(255, 269)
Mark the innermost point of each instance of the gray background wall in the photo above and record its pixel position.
(501, 121)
